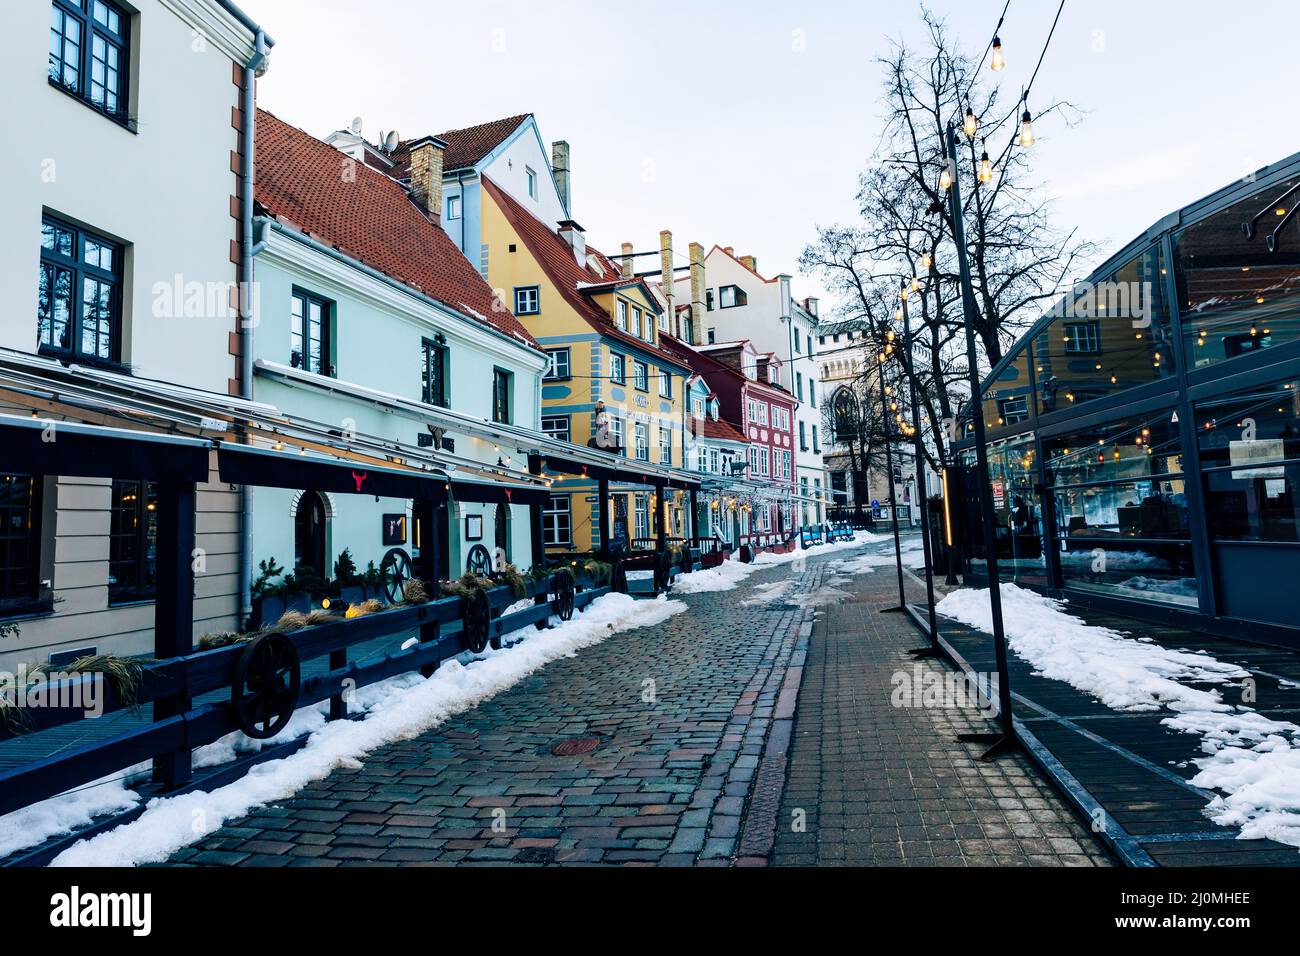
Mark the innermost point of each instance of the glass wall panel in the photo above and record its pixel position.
(1009, 397)
(1250, 457)
(1106, 336)
(1121, 510)
(1017, 511)
(1234, 295)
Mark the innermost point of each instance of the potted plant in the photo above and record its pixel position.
(268, 593)
(350, 582)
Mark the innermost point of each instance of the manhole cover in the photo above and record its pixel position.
(575, 746)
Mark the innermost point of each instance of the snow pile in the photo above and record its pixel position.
(67, 812)
(724, 577)
(1125, 674)
(1253, 760)
(404, 708)
(769, 593)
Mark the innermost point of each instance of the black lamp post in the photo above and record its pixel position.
(919, 451)
(889, 469)
(1007, 737)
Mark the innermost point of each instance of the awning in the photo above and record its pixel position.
(38, 446)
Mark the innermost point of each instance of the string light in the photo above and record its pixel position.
(945, 179)
(1026, 126)
(999, 62)
(927, 260)
(971, 124)
(986, 168)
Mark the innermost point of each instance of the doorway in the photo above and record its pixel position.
(309, 545)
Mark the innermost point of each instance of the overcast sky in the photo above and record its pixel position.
(747, 123)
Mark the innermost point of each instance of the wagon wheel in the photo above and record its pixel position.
(264, 689)
(479, 562)
(618, 577)
(563, 603)
(476, 620)
(396, 566)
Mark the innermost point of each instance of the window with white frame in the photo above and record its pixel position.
(665, 445)
(556, 426)
(640, 375)
(620, 315)
(617, 369)
(665, 383)
(616, 429)
(697, 407)
(641, 435)
(753, 461)
(713, 461)
(528, 300)
(559, 364)
(453, 207)
(642, 516)
(557, 521)
(786, 471)
(636, 323)
(532, 181)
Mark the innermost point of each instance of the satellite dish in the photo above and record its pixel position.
(391, 141)
(356, 125)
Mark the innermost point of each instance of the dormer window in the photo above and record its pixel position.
(731, 296)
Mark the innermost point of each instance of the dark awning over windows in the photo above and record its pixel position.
(47, 447)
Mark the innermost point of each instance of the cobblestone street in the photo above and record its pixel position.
(670, 745)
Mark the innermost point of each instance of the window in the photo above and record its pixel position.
(714, 463)
(697, 407)
(133, 542)
(780, 418)
(712, 335)
(731, 296)
(641, 375)
(783, 462)
(764, 462)
(1013, 410)
(616, 429)
(803, 438)
(761, 409)
(20, 542)
(501, 387)
(642, 516)
(79, 299)
(665, 445)
(557, 521)
(453, 207)
(559, 367)
(812, 398)
(708, 300)
(528, 300)
(641, 434)
(620, 315)
(796, 340)
(556, 426)
(88, 53)
(637, 330)
(817, 448)
(309, 333)
(617, 369)
(665, 383)
(798, 385)
(1082, 337)
(1235, 297)
(433, 373)
(532, 181)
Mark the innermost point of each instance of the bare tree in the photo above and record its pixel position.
(1018, 259)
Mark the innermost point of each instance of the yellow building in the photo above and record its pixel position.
(601, 327)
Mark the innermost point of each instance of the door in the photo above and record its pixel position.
(309, 535)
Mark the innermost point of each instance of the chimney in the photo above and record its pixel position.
(627, 260)
(810, 305)
(666, 278)
(729, 250)
(560, 170)
(426, 175)
(697, 291)
(576, 237)
(749, 262)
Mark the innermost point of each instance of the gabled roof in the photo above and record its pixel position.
(371, 218)
(699, 361)
(722, 430)
(465, 147)
(561, 266)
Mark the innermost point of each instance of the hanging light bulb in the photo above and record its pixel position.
(999, 62)
(927, 260)
(970, 125)
(1026, 127)
(986, 168)
(916, 284)
(945, 179)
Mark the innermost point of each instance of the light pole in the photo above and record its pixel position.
(919, 452)
(889, 471)
(1007, 737)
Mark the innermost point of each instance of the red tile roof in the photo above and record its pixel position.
(465, 147)
(370, 218)
(556, 258)
(708, 366)
(723, 430)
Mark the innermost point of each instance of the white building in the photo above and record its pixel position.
(741, 303)
(122, 206)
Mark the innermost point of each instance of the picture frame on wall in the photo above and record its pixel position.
(473, 527)
(394, 529)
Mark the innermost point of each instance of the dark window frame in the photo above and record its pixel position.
(74, 264)
(502, 385)
(20, 547)
(133, 549)
(536, 290)
(434, 393)
(564, 434)
(91, 33)
(309, 298)
(552, 372)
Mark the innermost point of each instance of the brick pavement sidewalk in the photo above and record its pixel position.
(878, 785)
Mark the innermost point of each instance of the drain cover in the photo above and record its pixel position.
(575, 746)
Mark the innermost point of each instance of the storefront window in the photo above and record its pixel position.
(1017, 511)
(1236, 297)
(1106, 336)
(1121, 509)
(1250, 457)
